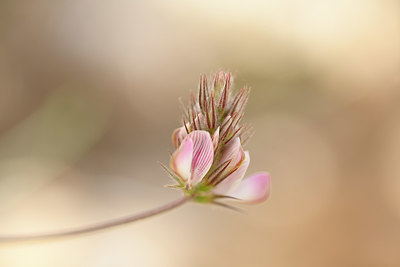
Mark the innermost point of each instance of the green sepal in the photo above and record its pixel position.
(203, 188)
(172, 174)
(203, 198)
(174, 186)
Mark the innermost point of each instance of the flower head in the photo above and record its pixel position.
(209, 162)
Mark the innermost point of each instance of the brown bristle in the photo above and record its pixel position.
(194, 120)
(207, 116)
(184, 124)
(237, 99)
(229, 127)
(192, 99)
(214, 115)
(239, 118)
(245, 129)
(246, 140)
(221, 178)
(234, 134)
(244, 101)
(205, 92)
(224, 96)
(218, 171)
(200, 90)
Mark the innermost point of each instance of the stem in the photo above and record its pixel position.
(98, 226)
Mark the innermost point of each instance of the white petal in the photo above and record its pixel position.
(232, 151)
(203, 154)
(230, 183)
(178, 136)
(181, 160)
(215, 138)
(254, 189)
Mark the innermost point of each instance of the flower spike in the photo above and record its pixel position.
(209, 157)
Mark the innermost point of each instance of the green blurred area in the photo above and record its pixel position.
(89, 98)
(49, 141)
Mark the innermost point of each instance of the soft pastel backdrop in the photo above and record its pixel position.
(89, 97)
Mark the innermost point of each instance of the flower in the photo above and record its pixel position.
(209, 162)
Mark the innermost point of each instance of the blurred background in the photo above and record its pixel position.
(89, 98)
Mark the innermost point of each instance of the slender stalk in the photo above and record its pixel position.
(98, 226)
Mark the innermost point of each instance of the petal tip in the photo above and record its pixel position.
(255, 189)
(181, 160)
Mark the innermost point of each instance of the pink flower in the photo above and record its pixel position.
(194, 157)
(192, 160)
(209, 162)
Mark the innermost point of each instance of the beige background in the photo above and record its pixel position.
(89, 97)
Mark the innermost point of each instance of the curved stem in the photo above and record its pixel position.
(98, 226)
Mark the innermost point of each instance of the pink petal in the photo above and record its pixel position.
(181, 160)
(178, 135)
(230, 183)
(232, 151)
(254, 189)
(215, 138)
(203, 154)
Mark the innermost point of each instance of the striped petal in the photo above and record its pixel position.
(203, 154)
(178, 136)
(254, 189)
(181, 160)
(230, 183)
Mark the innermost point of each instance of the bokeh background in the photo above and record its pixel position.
(89, 97)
